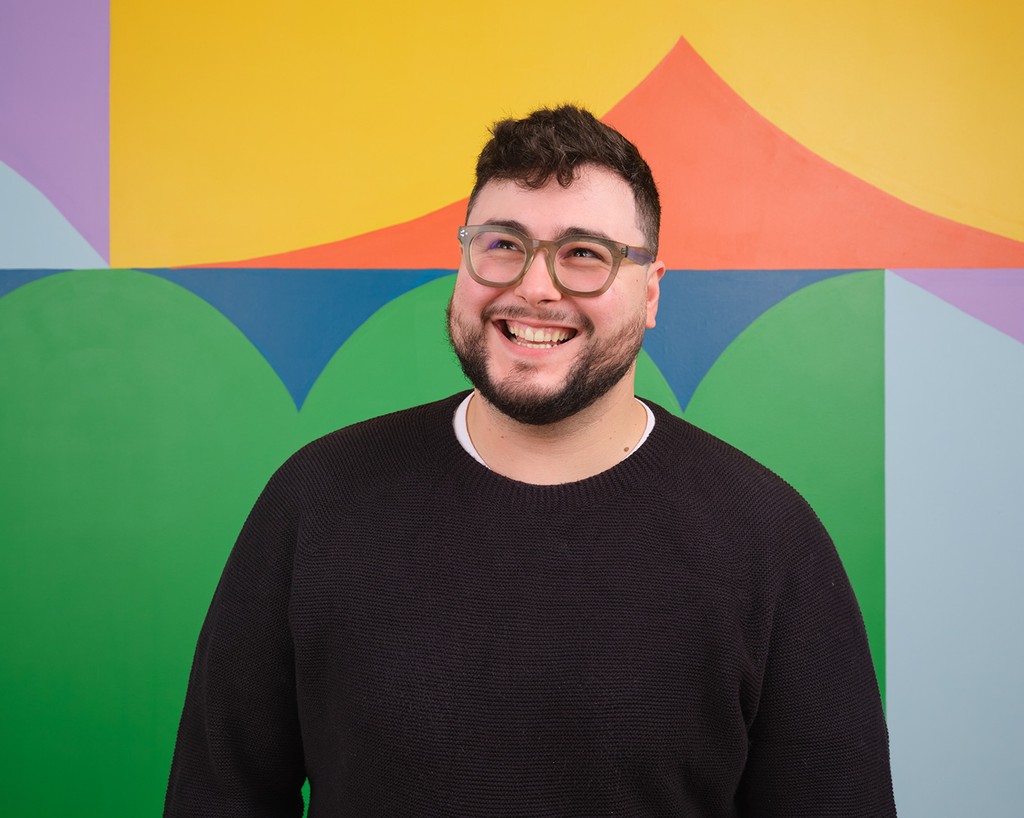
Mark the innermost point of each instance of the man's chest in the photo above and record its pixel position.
(504, 648)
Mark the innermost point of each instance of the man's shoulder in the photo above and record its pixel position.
(694, 446)
(747, 503)
(701, 461)
(380, 447)
(402, 425)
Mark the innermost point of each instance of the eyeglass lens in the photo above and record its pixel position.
(580, 265)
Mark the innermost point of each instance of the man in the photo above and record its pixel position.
(545, 597)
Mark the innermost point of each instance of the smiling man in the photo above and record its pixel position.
(549, 334)
(544, 597)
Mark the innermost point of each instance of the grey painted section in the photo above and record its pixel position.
(954, 558)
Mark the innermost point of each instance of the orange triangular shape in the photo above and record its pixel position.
(739, 193)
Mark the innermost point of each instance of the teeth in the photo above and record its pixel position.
(545, 337)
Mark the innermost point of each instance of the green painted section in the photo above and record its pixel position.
(399, 358)
(137, 426)
(651, 385)
(802, 390)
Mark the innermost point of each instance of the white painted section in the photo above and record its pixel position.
(34, 234)
(954, 559)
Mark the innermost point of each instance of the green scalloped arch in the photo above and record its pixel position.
(400, 357)
(802, 390)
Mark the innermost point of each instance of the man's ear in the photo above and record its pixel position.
(654, 274)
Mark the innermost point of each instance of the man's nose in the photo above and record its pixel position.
(536, 286)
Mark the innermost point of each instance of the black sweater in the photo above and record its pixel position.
(422, 637)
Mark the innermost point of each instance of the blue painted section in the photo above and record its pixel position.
(298, 318)
(701, 312)
(10, 280)
(954, 558)
(34, 234)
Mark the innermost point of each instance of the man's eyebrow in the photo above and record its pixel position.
(571, 230)
(509, 223)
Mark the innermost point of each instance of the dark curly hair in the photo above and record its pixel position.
(557, 142)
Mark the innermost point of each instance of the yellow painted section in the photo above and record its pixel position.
(240, 129)
(922, 98)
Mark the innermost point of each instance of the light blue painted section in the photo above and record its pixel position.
(954, 559)
(34, 234)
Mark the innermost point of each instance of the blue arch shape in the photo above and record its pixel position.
(701, 312)
(10, 280)
(298, 318)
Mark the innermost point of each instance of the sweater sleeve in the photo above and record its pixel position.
(818, 743)
(239, 748)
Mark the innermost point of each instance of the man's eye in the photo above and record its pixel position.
(585, 253)
(496, 243)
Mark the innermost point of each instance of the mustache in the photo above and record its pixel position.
(560, 317)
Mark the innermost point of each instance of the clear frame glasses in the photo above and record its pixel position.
(499, 256)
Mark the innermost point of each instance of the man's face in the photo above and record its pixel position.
(537, 355)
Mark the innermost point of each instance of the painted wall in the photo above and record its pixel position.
(226, 229)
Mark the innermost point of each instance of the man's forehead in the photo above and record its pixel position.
(598, 202)
(561, 232)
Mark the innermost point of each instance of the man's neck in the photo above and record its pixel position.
(578, 447)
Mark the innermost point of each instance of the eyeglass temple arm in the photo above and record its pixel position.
(638, 255)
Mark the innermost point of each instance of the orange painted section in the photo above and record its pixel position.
(737, 193)
(428, 242)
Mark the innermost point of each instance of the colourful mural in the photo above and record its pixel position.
(229, 229)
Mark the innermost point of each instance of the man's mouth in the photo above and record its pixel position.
(536, 337)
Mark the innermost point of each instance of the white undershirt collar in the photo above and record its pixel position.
(462, 429)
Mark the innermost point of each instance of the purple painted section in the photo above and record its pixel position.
(995, 296)
(54, 106)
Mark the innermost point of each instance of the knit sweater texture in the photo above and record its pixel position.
(420, 636)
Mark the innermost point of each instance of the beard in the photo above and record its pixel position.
(599, 367)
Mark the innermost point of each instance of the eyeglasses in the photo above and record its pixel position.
(499, 256)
